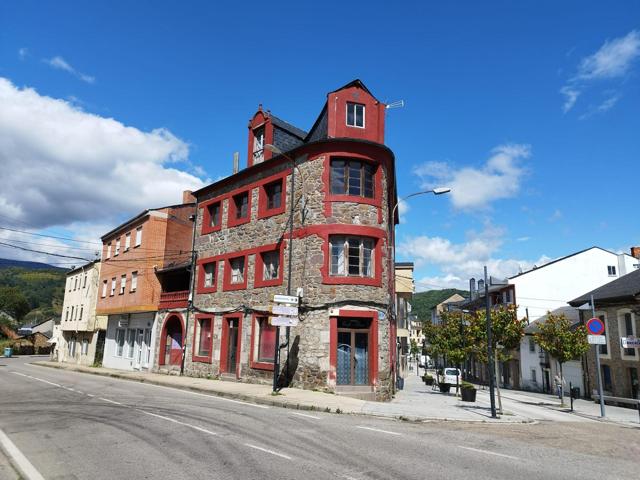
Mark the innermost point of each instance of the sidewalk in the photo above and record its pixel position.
(409, 404)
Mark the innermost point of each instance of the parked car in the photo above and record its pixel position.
(450, 376)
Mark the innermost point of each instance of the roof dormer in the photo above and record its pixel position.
(265, 128)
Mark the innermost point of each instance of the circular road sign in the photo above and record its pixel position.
(595, 326)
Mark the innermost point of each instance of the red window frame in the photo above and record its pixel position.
(232, 221)
(258, 280)
(263, 200)
(254, 357)
(226, 284)
(196, 341)
(200, 285)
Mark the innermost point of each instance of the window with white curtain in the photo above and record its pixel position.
(351, 256)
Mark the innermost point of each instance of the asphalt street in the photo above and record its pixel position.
(77, 426)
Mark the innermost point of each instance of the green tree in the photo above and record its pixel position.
(14, 302)
(563, 341)
(506, 333)
(447, 338)
(414, 347)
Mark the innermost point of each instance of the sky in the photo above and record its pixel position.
(528, 111)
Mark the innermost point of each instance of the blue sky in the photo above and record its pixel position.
(530, 109)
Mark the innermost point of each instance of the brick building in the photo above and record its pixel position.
(130, 289)
(344, 193)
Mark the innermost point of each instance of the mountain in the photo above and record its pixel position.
(8, 263)
(423, 302)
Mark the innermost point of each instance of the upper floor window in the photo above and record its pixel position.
(134, 281)
(84, 281)
(241, 203)
(237, 270)
(75, 282)
(215, 218)
(109, 250)
(611, 270)
(351, 256)
(209, 274)
(532, 345)
(138, 236)
(127, 241)
(352, 177)
(117, 247)
(355, 115)
(104, 288)
(113, 287)
(123, 283)
(258, 145)
(274, 195)
(271, 265)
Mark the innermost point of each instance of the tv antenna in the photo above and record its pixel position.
(396, 104)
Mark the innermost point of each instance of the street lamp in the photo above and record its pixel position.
(276, 355)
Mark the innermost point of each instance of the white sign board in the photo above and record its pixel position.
(597, 339)
(285, 299)
(284, 310)
(284, 321)
(630, 342)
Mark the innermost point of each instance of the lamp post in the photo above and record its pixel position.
(276, 355)
(435, 191)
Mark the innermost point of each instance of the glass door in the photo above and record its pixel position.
(352, 366)
(146, 348)
(137, 355)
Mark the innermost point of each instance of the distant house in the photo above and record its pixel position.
(617, 304)
(443, 306)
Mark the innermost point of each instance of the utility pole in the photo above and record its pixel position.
(489, 348)
(600, 394)
(192, 271)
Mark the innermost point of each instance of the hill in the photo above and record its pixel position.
(8, 263)
(423, 302)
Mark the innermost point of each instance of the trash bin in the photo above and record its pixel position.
(7, 352)
(575, 392)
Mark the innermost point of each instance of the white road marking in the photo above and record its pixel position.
(38, 379)
(110, 401)
(23, 464)
(21, 374)
(266, 450)
(378, 430)
(489, 452)
(173, 420)
(305, 415)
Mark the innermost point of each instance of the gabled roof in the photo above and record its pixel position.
(141, 215)
(83, 267)
(355, 83)
(561, 259)
(295, 131)
(625, 288)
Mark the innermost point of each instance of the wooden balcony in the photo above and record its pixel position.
(174, 299)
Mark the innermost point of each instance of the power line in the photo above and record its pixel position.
(49, 236)
(43, 252)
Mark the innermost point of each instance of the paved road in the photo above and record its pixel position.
(71, 425)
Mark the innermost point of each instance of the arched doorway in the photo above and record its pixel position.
(171, 341)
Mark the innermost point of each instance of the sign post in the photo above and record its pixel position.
(596, 327)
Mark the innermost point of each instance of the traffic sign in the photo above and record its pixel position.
(284, 310)
(597, 339)
(595, 326)
(284, 321)
(630, 342)
(285, 299)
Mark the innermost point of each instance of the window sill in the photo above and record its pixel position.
(332, 197)
(234, 286)
(339, 280)
(257, 283)
(206, 229)
(233, 222)
(202, 289)
(266, 213)
(262, 366)
(199, 359)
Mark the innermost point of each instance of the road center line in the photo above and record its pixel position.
(489, 452)
(173, 420)
(378, 430)
(110, 401)
(266, 450)
(305, 415)
(21, 374)
(22, 462)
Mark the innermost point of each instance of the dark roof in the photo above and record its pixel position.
(278, 122)
(355, 83)
(142, 215)
(404, 264)
(560, 259)
(625, 288)
(82, 267)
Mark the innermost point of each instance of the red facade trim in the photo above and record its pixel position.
(200, 288)
(206, 216)
(260, 119)
(226, 281)
(232, 221)
(224, 342)
(263, 211)
(163, 335)
(198, 358)
(255, 364)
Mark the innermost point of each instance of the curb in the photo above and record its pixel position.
(282, 404)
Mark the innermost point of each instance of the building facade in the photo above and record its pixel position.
(405, 288)
(80, 332)
(340, 268)
(129, 287)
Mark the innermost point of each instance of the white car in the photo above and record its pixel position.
(450, 376)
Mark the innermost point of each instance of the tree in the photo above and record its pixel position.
(447, 338)
(14, 302)
(506, 333)
(563, 341)
(414, 347)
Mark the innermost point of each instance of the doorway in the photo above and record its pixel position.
(172, 342)
(102, 335)
(138, 351)
(352, 361)
(231, 345)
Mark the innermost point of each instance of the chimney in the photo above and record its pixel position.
(472, 288)
(481, 288)
(236, 162)
(187, 197)
(635, 252)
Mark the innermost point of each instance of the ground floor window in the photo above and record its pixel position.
(203, 337)
(606, 378)
(534, 376)
(85, 346)
(72, 347)
(131, 342)
(266, 340)
(119, 341)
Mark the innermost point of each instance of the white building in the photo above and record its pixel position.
(548, 288)
(79, 329)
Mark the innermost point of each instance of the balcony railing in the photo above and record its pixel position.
(174, 299)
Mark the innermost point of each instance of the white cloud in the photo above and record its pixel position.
(62, 166)
(60, 63)
(613, 60)
(477, 188)
(523, 239)
(460, 262)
